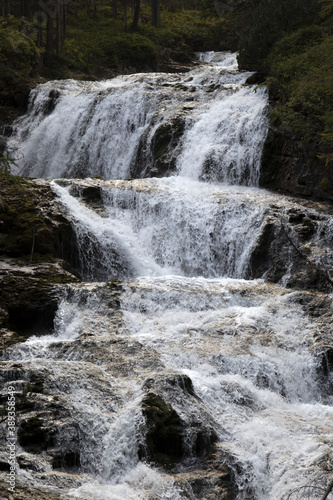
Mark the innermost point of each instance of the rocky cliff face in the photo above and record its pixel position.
(290, 164)
(37, 254)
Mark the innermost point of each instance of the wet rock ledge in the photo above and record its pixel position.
(37, 254)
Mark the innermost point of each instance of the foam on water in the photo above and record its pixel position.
(251, 364)
(182, 249)
(78, 129)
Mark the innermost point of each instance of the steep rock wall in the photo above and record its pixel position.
(290, 165)
(37, 254)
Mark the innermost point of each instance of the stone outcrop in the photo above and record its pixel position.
(290, 165)
(319, 307)
(169, 438)
(29, 297)
(37, 253)
(32, 226)
(292, 249)
(160, 159)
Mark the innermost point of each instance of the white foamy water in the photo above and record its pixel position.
(249, 357)
(229, 134)
(76, 129)
(185, 305)
(171, 226)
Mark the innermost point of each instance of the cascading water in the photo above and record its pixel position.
(233, 357)
(80, 129)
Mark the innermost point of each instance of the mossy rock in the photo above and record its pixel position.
(164, 436)
(31, 225)
(166, 139)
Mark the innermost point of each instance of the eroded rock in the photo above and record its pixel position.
(290, 164)
(293, 249)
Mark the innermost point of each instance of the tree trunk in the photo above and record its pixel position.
(155, 12)
(136, 15)
(114, 9)
(49, 38)
(60, 26)
(39, 30)
(125, 14)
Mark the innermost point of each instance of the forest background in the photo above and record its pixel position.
(289, 43)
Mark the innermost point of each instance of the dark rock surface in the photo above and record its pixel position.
(37, 252)
(32, 226)
(290, 165)
(29, 296)
(293, 248)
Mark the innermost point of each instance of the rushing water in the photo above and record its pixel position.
(79, 129)
(186, 306)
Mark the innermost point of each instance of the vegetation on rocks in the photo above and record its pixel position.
(97, 42)
(26, 231)
(290, 45)
(36, 245)
(19, 59)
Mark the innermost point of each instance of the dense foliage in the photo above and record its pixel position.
(90, 39)
(291, 43)
(19, 58)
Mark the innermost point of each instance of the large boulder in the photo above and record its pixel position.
(292, 250)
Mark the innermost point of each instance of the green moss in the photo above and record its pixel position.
(164, 438)
(167, 136)
(303, 82)
(19, 57)
(326, 185)
(19, 217)
(25, 231)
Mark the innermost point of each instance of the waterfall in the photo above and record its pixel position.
(229, 133)
(167, 227)
(176, 242)
(75, 129)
